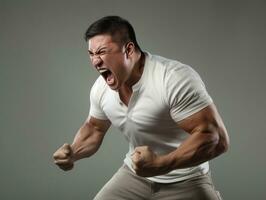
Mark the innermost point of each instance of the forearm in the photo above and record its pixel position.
(198, 148)
(86, 142)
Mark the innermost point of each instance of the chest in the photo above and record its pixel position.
(143, 108)
(125, 95)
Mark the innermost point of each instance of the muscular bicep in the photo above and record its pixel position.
(98, 126)
(208, 138)
(89, 137)
(206, 120)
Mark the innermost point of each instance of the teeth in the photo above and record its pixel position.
(102, 70)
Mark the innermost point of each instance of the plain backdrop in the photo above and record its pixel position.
(45, 79)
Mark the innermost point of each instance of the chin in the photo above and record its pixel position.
(114, 87)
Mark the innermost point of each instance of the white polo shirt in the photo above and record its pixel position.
(167, 92)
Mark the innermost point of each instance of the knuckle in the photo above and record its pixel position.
(65, 152)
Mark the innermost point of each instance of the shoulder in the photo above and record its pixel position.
(168, 65)
(162, 62)
(171, 70)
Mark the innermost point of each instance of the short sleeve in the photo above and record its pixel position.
(186, 92)
(96, 94)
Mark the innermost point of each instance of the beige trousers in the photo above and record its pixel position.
(126, 185)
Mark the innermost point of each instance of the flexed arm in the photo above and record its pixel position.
(208, 139)
(87, 141)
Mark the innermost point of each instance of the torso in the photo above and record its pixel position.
(144, 116)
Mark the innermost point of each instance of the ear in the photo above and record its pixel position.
(130, 48)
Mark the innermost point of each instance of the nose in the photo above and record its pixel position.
(96, 61)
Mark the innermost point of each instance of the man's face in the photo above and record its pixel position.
(110, 59)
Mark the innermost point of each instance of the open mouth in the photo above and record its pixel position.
(107, 75)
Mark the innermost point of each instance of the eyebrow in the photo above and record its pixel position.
(99, 49)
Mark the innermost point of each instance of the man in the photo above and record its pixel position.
(164, 111)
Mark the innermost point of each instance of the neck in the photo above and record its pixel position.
(137, 70)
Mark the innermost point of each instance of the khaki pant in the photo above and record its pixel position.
(126, 185)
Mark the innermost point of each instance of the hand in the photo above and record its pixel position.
(146, 163)
(63, 157)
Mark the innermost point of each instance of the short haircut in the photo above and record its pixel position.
(118, 28)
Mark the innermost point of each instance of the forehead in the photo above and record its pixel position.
(99, 41)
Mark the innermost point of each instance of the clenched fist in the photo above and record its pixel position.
(63, 157)
(146, 163)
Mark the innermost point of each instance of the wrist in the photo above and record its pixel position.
(166, 163)
(74, 156)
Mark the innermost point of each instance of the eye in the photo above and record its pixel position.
(103, 52)
(90, 54)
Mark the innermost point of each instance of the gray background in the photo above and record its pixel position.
(46, 76)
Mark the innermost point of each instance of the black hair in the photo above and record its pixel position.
(118, 28)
